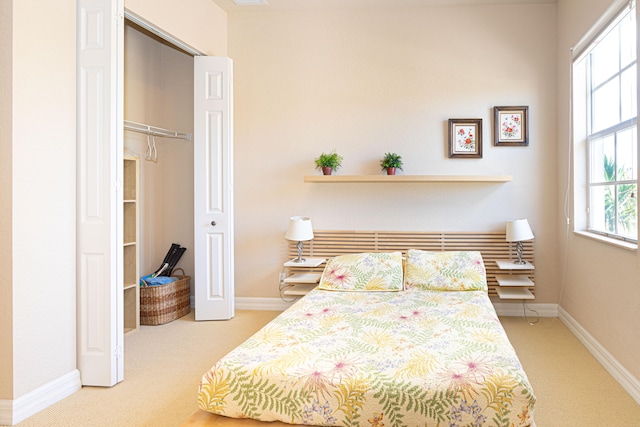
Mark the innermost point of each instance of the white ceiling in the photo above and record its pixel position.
(281, 5)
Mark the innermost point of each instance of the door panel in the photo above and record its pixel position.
(99, 238)
(213, 174)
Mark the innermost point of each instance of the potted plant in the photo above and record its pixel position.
(328, 162)
(391, 162)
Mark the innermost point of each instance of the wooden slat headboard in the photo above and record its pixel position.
(492, 246)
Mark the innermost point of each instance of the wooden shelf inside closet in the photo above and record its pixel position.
(131, 249)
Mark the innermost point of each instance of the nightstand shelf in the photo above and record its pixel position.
(515, 284)
(295, 281)
(510, 265)
(514, 293)
(303, 278)
(517, 281)
(306, 262)
(299, 290)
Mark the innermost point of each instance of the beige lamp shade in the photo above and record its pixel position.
(518, 230)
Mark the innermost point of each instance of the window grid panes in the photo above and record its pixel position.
(612, 100)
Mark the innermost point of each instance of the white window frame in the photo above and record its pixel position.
(580, 125)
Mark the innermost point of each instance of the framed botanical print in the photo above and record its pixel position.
(511, 125)
(465, 138)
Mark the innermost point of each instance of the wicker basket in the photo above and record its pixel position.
(165, 303)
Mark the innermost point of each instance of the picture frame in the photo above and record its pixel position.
(511, 126)
(465, 138)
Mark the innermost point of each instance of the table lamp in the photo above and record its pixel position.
(299, 230)
(517, 231)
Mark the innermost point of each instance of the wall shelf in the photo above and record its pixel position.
(406, 178)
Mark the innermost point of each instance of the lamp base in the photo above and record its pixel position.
(299, 260)
(519, 261)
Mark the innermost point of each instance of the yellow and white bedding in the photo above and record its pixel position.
(422, 356)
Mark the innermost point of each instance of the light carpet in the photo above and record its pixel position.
(163, 366)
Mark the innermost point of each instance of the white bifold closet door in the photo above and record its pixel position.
(100, 108)
(99, 263)
(213, 186)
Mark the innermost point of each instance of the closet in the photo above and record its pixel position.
(158, 128)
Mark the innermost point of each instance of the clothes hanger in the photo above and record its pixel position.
(147, 152)
(151, 153)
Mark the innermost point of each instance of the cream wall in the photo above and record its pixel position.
(6, 286)
(199, 23)
(38, 187)
(44, 178)
(159, 92)
(372, 80)
(602, 282)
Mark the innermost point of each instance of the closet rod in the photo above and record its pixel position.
(155, 131)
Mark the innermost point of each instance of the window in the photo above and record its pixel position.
(605, 77)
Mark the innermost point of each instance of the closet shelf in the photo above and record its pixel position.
(130, 286)
(406, 178)
(130, 245)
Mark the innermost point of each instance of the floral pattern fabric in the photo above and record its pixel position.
(445, 271)
(374, 271)
(422, 358)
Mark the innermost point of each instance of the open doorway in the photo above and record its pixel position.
(158, 91)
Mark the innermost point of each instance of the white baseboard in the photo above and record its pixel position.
(610, 364)
(14, 411)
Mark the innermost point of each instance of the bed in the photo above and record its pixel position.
(384, 340)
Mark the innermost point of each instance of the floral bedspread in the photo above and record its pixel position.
(422, 358)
